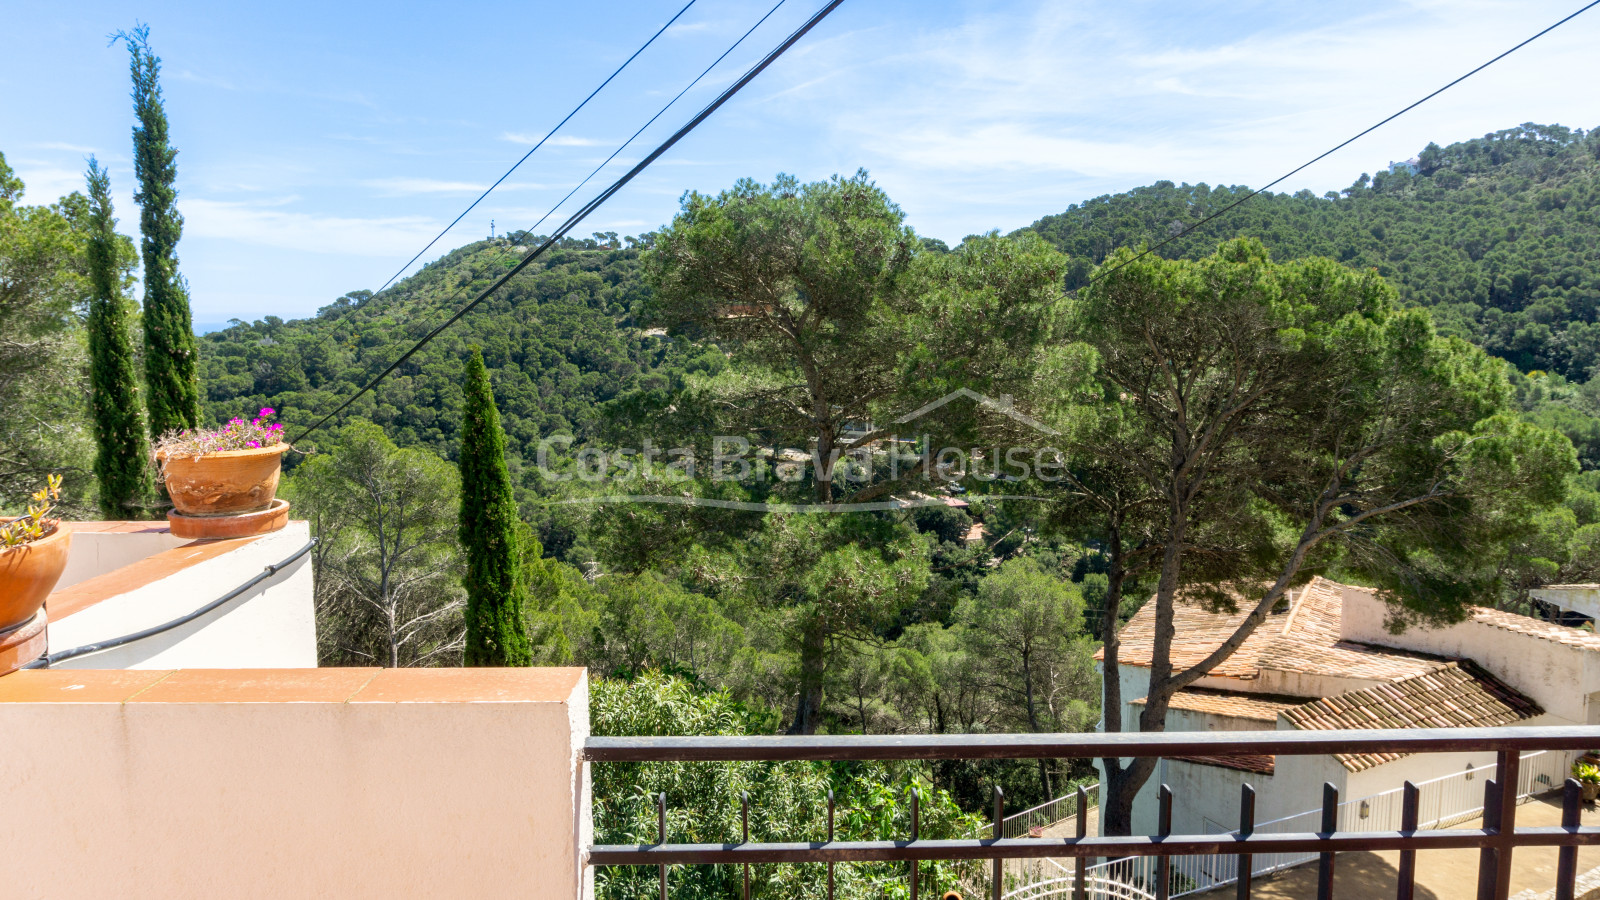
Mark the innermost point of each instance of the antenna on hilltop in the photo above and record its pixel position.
(491, 229)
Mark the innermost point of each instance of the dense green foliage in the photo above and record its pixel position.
(497, 628)
(44, 423)
(1279, 420)
(170, 357)
(122, 450)
(788, 802)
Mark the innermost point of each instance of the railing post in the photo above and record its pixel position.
(1408, 858)
(1567, 861)
(661, 836)
(1486, 856)
(999, 816)
(830, 840)
(1164, 829)
(916, 797)
(1080, 890)
(1330, 824)
(1507, 773)
(1247, 826)
(744, 814)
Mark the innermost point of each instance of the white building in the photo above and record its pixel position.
(1326, 661)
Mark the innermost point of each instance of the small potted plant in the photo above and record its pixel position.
(33, 553)
(1588, 776)
(224, 471)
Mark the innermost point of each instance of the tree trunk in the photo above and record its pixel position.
(1116, 814)
(1033, 719)
(808, 705)
(1123, 783)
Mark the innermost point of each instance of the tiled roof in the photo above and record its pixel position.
(1260, 764)
(1549, 631)
(1456, 695)
(1303, 639)
(1259, 707)
(1256, 707)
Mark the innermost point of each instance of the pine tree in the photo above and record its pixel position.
(122, 454)
(497, 630)
(170, 358)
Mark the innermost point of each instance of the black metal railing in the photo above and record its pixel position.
(1496, 840)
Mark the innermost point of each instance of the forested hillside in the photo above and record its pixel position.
(1499, 236)
(558, 340)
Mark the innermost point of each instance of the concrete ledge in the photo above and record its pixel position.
(350, 783)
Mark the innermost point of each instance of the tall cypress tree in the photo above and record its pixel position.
(171, 362)
(497, 632)
(122, 453)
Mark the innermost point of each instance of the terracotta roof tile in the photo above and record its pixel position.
(1258, 707)
(1304, 639)
(1455, 695)
(1260, 764)
(1538, 628)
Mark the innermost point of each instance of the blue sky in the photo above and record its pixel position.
(321, 145)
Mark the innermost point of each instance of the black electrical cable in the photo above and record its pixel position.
(1321, 156)
(624, 145)
(635, 135)
(45, 662)
(541, 143)
(583, 212)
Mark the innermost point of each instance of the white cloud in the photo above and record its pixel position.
(44, 182)
(65, 148)
(405, 187)
(394, 186)
(560, 140)
(251, 223)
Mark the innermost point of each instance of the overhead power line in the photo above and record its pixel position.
(1343, 144)
(624, 145)
(584, 211)
(635, 135)
(535, 147)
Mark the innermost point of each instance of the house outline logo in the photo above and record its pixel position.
(1003, 405)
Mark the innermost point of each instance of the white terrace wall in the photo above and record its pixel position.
(1559, 677)
(249, 783)
(273, 625)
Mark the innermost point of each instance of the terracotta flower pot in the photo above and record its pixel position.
(28, 573)
(224, 483)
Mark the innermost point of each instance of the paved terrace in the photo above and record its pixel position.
(1441, 874)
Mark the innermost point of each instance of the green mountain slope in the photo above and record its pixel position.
(558, 340)
(1499, 236)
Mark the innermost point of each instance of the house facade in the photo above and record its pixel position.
(1324, 661)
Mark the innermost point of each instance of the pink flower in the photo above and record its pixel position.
(255, 443)
(267, 410)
